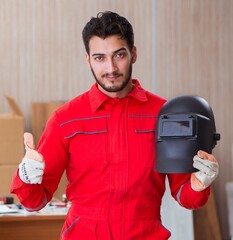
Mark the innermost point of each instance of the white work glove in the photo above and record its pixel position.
(208, 171)
(31, 168)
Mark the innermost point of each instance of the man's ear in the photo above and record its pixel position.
(134, 54)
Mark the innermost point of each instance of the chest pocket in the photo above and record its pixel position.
(87, 142)
(144, 138)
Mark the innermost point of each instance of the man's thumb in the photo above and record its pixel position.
(28, 141)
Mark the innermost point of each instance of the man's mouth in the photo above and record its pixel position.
(111, 77)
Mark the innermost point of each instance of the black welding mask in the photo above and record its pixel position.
(185, 125)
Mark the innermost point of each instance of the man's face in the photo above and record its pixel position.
(111, 62)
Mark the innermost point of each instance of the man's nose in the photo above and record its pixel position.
(110, 65)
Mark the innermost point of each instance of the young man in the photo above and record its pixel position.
(105, 140)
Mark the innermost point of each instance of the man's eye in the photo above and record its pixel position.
(120, 55)
(98, 58)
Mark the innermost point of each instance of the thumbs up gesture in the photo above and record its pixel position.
(31, 168)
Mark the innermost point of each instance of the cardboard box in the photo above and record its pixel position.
(7, 172)
(41, 111)
(11, 134)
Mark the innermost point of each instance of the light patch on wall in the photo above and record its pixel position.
(153, 47)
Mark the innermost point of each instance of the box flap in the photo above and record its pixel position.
(14, 106)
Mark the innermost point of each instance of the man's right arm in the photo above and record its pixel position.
(28, 177)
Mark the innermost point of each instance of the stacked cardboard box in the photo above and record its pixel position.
(11, 144)
(11, 140)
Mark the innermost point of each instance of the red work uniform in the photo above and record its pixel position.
(107, 147)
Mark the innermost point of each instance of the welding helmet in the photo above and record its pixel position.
(185, 125)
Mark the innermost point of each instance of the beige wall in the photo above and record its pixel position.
(42, 56)
(195, 56)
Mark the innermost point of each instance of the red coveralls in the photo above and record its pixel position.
(107, 147)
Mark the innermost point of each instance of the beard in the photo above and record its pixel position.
(114, 88)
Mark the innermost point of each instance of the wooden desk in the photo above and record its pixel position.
(34, 227)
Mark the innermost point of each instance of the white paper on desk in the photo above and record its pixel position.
(5, 209)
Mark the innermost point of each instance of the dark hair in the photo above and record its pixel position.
(107, 24)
